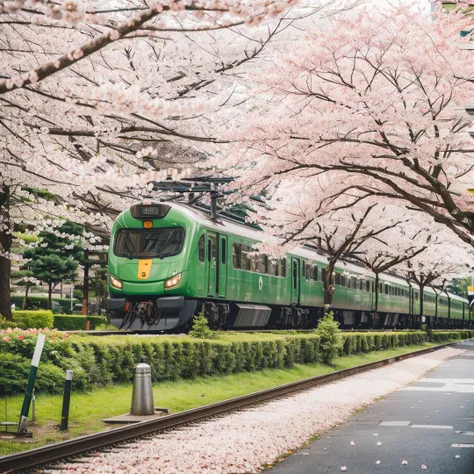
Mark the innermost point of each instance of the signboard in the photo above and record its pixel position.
(149, 210)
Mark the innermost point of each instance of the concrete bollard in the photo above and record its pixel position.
(142, 397)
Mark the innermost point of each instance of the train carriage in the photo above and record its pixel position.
(169, 261)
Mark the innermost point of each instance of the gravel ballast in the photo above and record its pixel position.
(242, 442)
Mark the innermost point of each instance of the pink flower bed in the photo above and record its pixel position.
(244, 441)
(17, 334)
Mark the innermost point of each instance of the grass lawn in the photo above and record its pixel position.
(87, 409)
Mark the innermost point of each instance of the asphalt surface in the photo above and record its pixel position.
(427, 426)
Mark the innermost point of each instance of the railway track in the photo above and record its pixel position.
(250, 331)
(52, 457)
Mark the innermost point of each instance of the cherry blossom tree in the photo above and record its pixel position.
(100, 100)
(435, 267)
(373, 233)
(81, 92)
(373, 102)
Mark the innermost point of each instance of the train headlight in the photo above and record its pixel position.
(115, 282)
(173, 281)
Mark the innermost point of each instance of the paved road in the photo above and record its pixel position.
(426, 427)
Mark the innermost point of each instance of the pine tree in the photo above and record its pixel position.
(57, 257)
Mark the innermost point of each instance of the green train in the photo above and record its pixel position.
(170, 261)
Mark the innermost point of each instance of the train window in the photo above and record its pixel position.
(245, 258)
(315, 273)
(201, 249)
(272, 267)
(338, 278)
(386, 289)
(381, 288)
(343, 280)
(361, 284)
(295, 274)
(236, 251)
(253, 261)
(212, 250)
(223, 251)
(153, 243)
(323, 274)
(261, 263)
(367, 285)
(354, 283)
(308, 272)
(280, 267)
(303, 268)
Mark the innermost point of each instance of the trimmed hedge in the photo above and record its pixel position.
(41, 302)
(377, 341)
(448, 336)
(33, 319)
(99, 361)
(67, 322)
(14, 375)
(46, 319)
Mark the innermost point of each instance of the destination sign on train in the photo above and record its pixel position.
(153, 210)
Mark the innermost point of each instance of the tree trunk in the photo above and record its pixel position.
(377, 279)
(50, 297)
(25, 299)
(329, 284)
(422, 289)
(5, 247)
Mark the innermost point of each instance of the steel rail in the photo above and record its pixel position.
(248, 331)
(79, 446)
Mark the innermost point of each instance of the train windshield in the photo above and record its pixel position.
(155, 243)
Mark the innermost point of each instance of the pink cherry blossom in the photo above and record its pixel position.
(242, 442)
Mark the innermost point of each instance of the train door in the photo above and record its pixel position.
(222, 266)
(295, 280)
(372, 295)
(212, 250)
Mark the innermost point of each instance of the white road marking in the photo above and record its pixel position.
(467, 433)
(450, 385)
(434, 427)
(394, 423)
(462, 445)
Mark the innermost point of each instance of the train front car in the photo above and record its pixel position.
(148, 268)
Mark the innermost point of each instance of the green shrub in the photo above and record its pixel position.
(99, 361)
(77, 294)
(15, 371)
(201, 328)
(32, 319)
(67, 322)
(41, 302)
(449, 336)
(330, 338)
